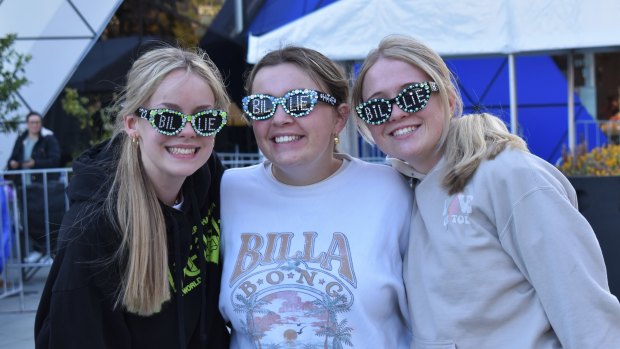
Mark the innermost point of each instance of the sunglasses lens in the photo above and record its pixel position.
(375, 111)
(210, 122)
(300, 104)
(167, 122)
(414, 98)
(258, 107)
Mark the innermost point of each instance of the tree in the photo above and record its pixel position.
(12, 78)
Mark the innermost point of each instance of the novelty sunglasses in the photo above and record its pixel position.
(170, 122)
(296, 103)
(411, 99)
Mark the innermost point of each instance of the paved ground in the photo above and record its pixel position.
(17, 318)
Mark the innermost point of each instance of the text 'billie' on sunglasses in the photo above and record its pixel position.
(411, 99)
(171, 122)
(296, 103)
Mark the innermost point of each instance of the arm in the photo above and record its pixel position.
(75, 311)
(15, 158)
(560, 256)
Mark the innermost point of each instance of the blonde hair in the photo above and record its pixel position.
(473, 138)
(415, 53)
(132, 202)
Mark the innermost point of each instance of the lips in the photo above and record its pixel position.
(285, 139)
(404, 131)
(181, 150)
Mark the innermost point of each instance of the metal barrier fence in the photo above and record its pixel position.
(590, 135)
(11, 281)
(40, 203)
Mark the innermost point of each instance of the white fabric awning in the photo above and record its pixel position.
(348, 29)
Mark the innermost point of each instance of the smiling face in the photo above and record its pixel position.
(301, 149)
(412, 137)
(168, 160)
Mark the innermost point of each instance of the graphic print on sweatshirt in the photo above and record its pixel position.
(211, 241)
(293, 298)
(457, 208)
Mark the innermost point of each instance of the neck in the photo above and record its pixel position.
(302, 175)
(169, 194)
(425, 166)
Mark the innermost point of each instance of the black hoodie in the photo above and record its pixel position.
(77, 308)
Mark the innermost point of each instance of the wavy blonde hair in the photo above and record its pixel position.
(472, 139)
(132, 202)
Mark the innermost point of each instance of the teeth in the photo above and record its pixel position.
(404, 131)
(182, 151)
(286, 139)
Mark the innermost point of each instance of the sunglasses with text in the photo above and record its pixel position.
(296, 103)
(170, 122)
(411, 99)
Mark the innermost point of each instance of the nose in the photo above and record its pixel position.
(281, 117)
(187, 130)
(397, 113)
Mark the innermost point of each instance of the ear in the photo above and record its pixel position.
(131, 123)
(451, 102)
(342, 115)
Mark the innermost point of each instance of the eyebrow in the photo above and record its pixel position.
(178, 108)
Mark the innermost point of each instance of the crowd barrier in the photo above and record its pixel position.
(11, 281)
(588, 131)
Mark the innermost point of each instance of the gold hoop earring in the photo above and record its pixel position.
(336, 140)
(134, 139)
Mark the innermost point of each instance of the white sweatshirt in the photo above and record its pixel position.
(310, 266)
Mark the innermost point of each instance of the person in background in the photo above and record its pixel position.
(35, 148)
(38, 148)
(499, 256)
(313, 240)
(138, 257)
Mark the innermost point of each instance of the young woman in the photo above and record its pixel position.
(313, 240)
(138, 262)
(499, 256)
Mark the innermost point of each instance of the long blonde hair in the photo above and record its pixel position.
(132, 203)
(411, 51)
(472, 139)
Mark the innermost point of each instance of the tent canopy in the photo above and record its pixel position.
(348, 29)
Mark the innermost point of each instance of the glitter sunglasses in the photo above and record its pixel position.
(296, 103)
(411, 99)
(170, 122)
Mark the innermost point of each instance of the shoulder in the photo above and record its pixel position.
(238, 173)
(87, 225)
(374, 170)
(518, 170)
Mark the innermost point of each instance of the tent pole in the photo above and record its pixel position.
(570, 76)
(238, 16)
(513, 94)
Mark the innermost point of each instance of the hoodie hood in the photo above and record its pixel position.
(93, 172)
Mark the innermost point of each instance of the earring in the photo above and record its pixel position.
(336, 140)
(134, 139)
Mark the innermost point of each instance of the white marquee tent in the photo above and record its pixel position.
(57, 34)
(347, 29)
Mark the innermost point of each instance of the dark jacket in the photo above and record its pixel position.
(77, 308)
(45, 153)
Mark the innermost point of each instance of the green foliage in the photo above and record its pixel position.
(12, 78)
(92, 118)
